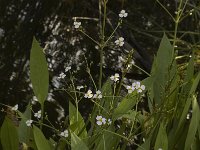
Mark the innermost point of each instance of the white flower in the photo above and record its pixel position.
(68, 68)
(61, 76)
(109, 121)
(79, 87)
(77, 24)
(123, 14)
(100, 120)
(98, 94)
(88, 94)
(34, 100)
(120, 41)
(38, 114)
(139, 87)
(130, 88)
(64, 133)
(15, 108)
(160, 149)
(115, 77)
(29, 122)
(188, 116)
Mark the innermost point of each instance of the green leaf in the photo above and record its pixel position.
(125, 105)
(190, 70)
(39, 72)
(77, 143)
(106, 100)
(193, 124)
(160, 70)
(23, 130)
(188, 103)
(161, 140)
(9, 135)
(77, 123)
(145, 145)
(40, 140)
(107, 139)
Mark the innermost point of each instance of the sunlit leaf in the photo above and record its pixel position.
(39, 72)
(9, 135)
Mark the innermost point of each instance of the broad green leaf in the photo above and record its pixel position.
(77, 143)
(160, 70)
(9, 135)
(125, 105)
(77, 123)
(161, 140)
(39, 72)
(40, 140)
(23, 130)
(193, 124)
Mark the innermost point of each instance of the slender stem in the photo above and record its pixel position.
(142, 70)
(112, 33)
(165, 9)
(89, 37)
(101, 67)
(102, 45)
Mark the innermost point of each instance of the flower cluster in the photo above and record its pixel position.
(119, 41)
(136, 86)
(123, 14)
(77, 24)
(89, 94)
(64, 133)
(102, 121)
(115, 77)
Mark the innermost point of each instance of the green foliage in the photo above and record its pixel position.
(77, 123)
(24, 131)
(39, 72)
(126, 104)
(40, 140)
(77, 143)
(9, 135)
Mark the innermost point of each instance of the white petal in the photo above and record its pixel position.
(99, 123)
(125, 14)
(116, 75)
(98, 117)
(142, 87)
(120, 15)
(121, 39)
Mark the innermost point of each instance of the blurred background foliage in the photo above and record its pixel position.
(51, 22)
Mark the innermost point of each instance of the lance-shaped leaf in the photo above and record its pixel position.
(39, 72)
